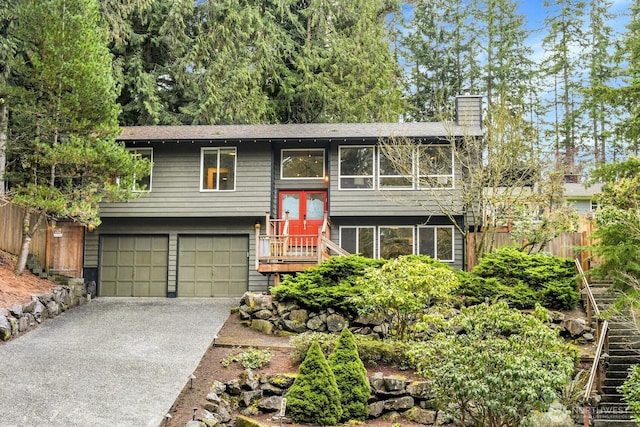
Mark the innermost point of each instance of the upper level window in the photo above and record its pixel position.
(356, 167)
(396, 173)
(435, 166)
(218, 169)
(302, 164)
(142, 183)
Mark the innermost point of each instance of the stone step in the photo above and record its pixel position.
(614, 397)
(624, 344)
(624, 351)
(616, 374)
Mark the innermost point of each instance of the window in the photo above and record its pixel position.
(302, 164)
(395, 241)
(435, 166)
(143, 183)
(393, 178)
(358, 240)
(356, 167)
(437, 242)
(218, 169)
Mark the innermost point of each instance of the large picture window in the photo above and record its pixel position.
(395, 241)
(218, 169)
(143, 183)
(357, 167)
(435, 166)
(302, 164)
(437, 242)
(358, 240)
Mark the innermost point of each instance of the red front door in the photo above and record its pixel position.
(306, 210)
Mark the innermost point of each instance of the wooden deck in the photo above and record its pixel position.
(280, 252)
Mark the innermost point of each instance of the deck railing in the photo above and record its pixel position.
(596, 374)
(278, 246)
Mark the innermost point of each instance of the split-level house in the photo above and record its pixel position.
(228, 209)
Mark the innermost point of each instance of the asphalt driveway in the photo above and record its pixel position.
(112, 362)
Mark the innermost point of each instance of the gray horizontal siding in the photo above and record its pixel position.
(174, 227)
(176, 185)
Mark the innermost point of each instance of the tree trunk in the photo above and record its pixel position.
(28, 230)
(4, 117)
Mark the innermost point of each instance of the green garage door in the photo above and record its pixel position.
(213, 266)
(133, 266)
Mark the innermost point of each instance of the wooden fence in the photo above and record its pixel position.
(569, 245)
(58, 246)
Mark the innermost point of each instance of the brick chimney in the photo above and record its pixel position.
(469, 110)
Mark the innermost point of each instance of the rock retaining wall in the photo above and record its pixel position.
(262, 313)
(19, 318)
(393, 398)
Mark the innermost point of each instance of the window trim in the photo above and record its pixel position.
(435, 241)
(372, 177)
(203, 150)
(135, 151)
(324, 165)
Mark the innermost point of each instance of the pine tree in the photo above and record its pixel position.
(314, 396)
(63, 159)
(351, 378)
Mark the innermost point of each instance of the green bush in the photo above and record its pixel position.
(493, 365)
(329, 285)
(372, 351)
(404, 289)
(250, 359)
(522, 280)
(314, 397)
(631, 391)
(351, 378)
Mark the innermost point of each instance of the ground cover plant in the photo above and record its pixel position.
(631, 391)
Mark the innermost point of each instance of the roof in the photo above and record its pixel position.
(580, 191)
(325, 131)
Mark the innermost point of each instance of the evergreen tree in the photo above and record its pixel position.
(601, 73)
(314, 396)
(625, 95)
(438, 46)
(62, 157)
(149, 39)
(563, 44)
(351, 378)
(288, 61)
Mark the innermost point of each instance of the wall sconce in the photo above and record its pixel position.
(90, 228)
(257, 224)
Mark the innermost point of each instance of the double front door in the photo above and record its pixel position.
(305, 210)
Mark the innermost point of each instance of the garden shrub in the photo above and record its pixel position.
(404, 289)
(492, 365)
(631, 391)
(329, 285)
(372, 350)
(522, 280)
(351, 378)
(314, 397)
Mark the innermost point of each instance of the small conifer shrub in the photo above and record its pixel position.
(351, 377)
(314, 397)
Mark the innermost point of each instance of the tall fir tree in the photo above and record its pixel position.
(63, 159)
(287, 61)
(562, 67)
